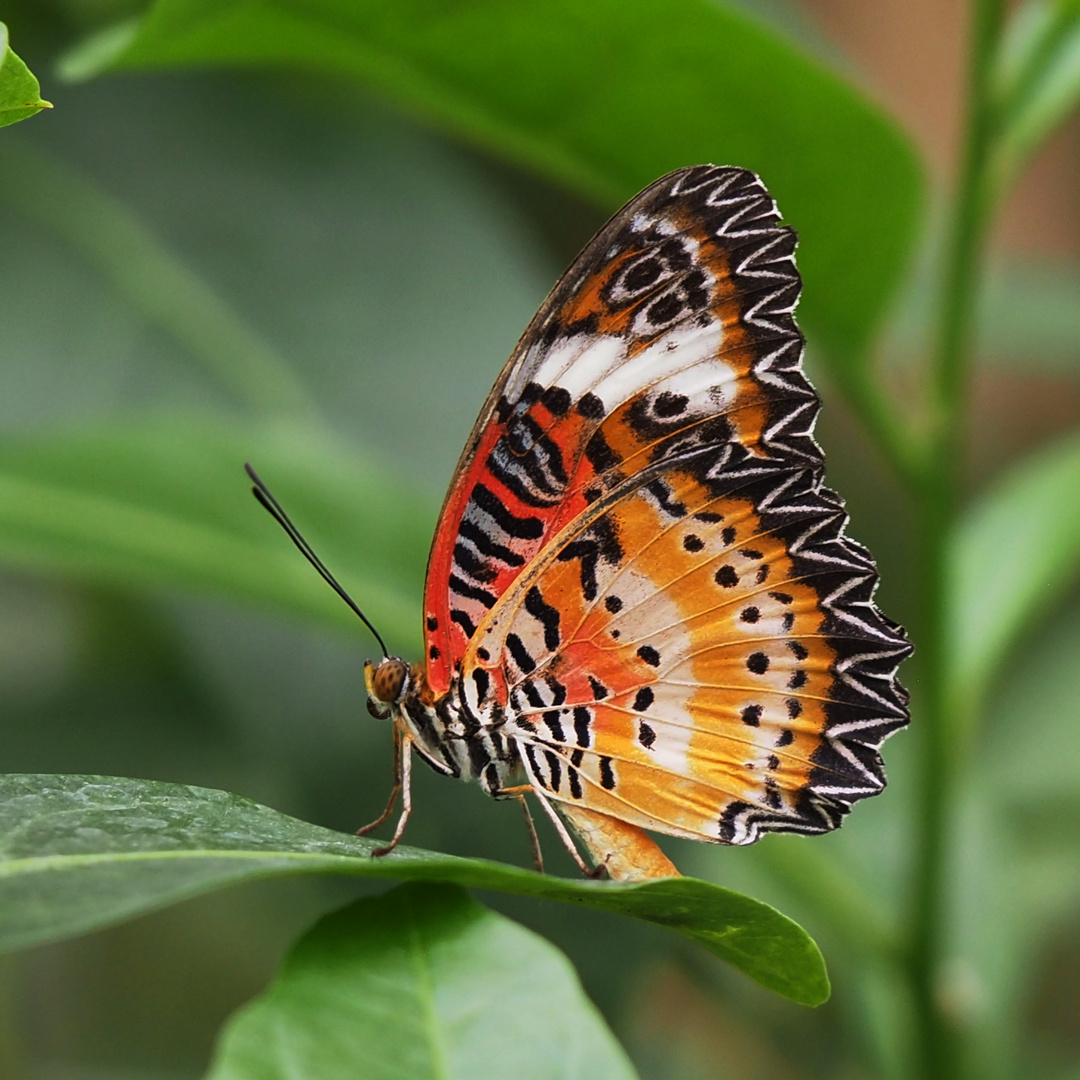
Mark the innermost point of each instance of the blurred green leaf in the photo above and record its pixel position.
(167, 504)
(1037, 78)
(142, 268)
(20, 93)
(1016, 552)
(421, 982)
(605, 97)
(1029, 316)
(78, 852)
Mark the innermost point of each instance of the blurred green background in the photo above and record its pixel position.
(327, 286)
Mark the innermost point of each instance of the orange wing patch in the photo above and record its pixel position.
(687, 683)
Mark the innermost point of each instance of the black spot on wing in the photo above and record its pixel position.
(649, 655)
(590, 406)
(607, 775)
(520, 654)
(600, 455)
(524, 528)
(553, 719)
(583, 726)
(726, 577)
(482, 682)
(554, 769)
(546, 615)
(757, 663)
(557, 400)
(574, 781)
(461, 587)
(662, 494)
(599, 542)
(478, 568)
(487, 546)
(668, 404)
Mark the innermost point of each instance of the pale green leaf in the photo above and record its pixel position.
(1015, 554)
(20, 94)
(1037, 78)
(421, 983)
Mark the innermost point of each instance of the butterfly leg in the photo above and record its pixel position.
(564, 835)
(519, 793)
(394, 792)
(406, 798)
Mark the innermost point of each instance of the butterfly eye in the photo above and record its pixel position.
(386, 681)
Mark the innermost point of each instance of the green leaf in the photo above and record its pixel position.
(20, 93)
(604, 97)
(79, 852)
(1016, 552)
(166, 503)
(1037, 79)
(421, 982)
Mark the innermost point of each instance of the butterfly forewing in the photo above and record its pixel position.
(686, 293)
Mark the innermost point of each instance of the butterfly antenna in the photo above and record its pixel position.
(273, 508)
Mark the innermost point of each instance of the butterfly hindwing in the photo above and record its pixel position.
(673, 327)
(707, 663)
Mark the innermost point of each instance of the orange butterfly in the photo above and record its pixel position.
(641, 607)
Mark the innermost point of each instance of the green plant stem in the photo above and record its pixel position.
(937, 1053)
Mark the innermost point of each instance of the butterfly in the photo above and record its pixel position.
(641, 607)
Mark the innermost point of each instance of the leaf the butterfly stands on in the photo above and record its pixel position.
(641, 605)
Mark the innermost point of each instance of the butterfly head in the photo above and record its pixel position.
(387, 682)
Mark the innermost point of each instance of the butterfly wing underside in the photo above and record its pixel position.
(637, 570)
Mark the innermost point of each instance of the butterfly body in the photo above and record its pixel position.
(641, 603)
(444, 731)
